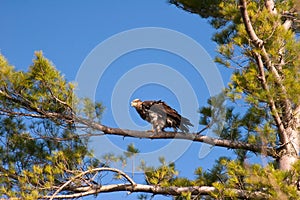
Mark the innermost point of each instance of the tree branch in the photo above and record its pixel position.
(38, 113)
(154, 189)
(249, 28)
(27, 105)
(269, 151)
(269, 65)
(271, 100)
(95, 189)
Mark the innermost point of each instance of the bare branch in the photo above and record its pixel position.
(196, 137)
(156, 189)
(95, 189)
(269, 151)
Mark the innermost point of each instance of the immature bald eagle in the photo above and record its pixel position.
(160, 115)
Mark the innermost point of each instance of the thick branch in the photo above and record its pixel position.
(179, 135)
(270, 99)
(269, 65)
(249, 28)
(156, 189)
(95, 189)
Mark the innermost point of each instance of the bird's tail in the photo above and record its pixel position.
(184, 125)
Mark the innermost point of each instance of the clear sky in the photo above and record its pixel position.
(121, 50)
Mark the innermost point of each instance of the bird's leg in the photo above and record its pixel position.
(155, 130)
(152, 130)
(159, 129)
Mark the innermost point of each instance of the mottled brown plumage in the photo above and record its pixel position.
(160, 115)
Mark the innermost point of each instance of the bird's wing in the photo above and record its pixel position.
(170, 111)
(163, 111)
(182, 121)
(154, 106)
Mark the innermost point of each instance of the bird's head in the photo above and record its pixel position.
(135, 103)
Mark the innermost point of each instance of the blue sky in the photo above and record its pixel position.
(68, 32)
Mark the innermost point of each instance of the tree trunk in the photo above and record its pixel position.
(289, 153)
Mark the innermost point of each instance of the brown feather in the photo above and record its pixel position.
(161, 115)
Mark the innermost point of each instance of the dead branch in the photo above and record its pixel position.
(132, 187)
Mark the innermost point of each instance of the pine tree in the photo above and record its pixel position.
(44, 152)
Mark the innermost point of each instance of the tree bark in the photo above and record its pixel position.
(290, 151)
